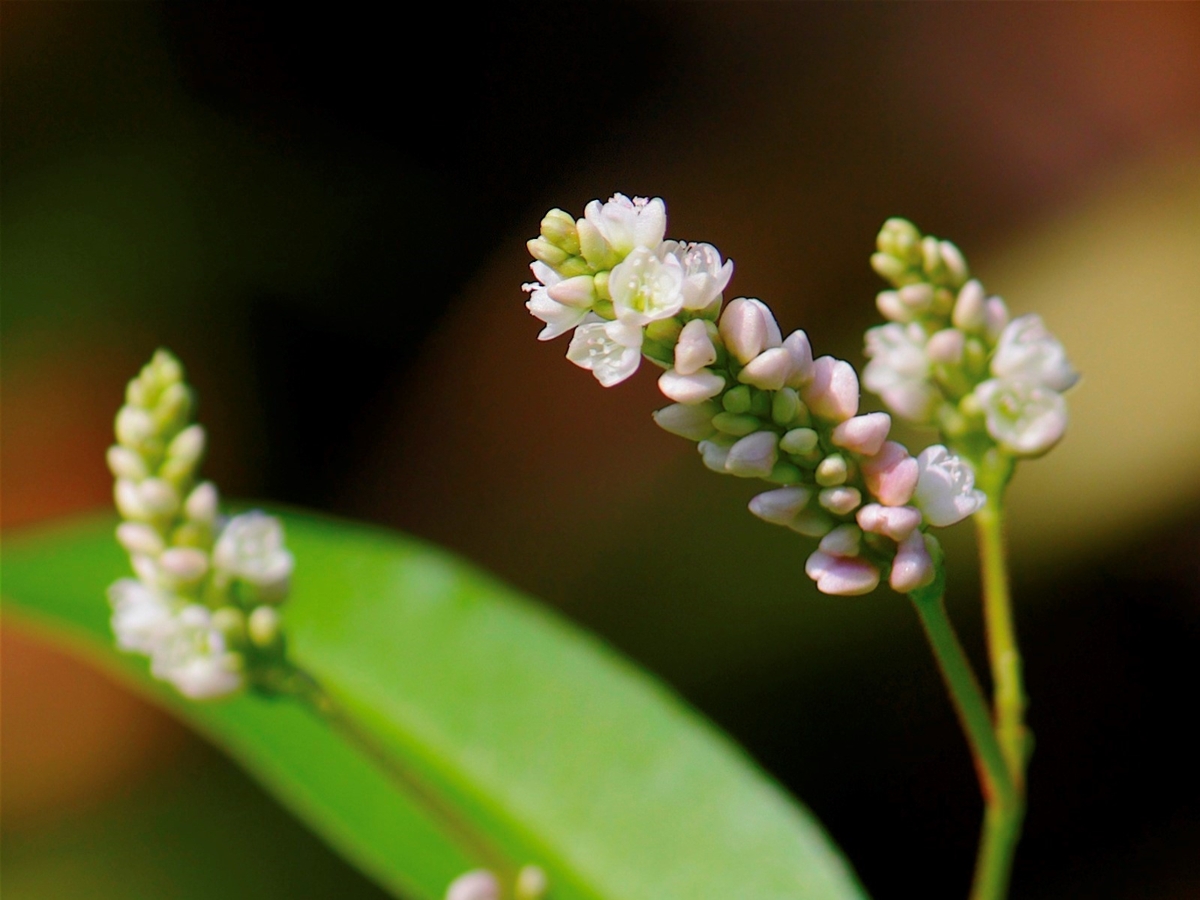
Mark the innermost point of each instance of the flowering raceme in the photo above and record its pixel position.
(202, 604)
(950, 356)
(758, 404)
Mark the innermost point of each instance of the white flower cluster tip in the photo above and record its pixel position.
(758, 404)
(202, 606)
(951, 356)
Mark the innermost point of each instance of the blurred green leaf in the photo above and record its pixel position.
(558, 749)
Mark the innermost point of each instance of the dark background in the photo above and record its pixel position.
(324, 215)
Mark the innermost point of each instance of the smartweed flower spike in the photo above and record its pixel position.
(758, 404)
(950, 356)
(203, 604)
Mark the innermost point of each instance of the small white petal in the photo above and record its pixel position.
(1026, 419)
(945, 491)
(609, 358)
(694, 350)
(1028, 352)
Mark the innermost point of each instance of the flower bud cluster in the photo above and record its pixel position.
(202, 606)
(761, 406)
(951, 355)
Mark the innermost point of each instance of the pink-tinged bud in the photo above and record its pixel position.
(841, 576)
(896, 522)
(953, 260)
(578, 292)
(946, 346)
(995, 318)
(833, 392)
(969, 313)
(695, 388)
(691, 421)
(744, 329)
(845, 540)
(913, 566)
(863, 434)
(139, 538)
(478, 884)
(917, 297)
(769, 370)
(945, 491)
(802, 359)
(841, 501)
(754, 456)
(890, 307)
(714, 455)
(694, 349)
(774, 335)
(126, 463)
(891, 474)
(185, 564)
(780, 506)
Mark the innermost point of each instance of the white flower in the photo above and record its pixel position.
(1026, 419)
(194, 657)
(646, 287)
(626, 224)
(251, 549)
(704, 276)
(945, 491)
(1028, 352)
(559, 317)
(899, 370)
(610, 350)
(143, 619)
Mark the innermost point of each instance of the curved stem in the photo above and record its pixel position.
(461, 830)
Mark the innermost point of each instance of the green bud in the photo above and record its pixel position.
(601, 283)
(264, 626)
(575, 265)
(665, 331)
(736, 424)
(799, 441)
(544, 251)
(975, 358)
(604, 309)
(737, 400)
(174, 409)
(558, 227)
(888, 267)
(899, 238)
(785, 473)
(659, 352)
(784, 406)
(231, 622)
(832, 470)
(192, 534)
(760, 403)
(943, 302)
(167, 369)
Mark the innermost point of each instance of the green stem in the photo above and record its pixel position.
(1002, 828)
(999, 793)
(461, 830)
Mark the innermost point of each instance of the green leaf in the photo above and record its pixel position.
(546, 740)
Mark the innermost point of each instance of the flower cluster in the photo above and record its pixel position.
(758, 404)
(203, 604)
(482, 884)
(951, 356)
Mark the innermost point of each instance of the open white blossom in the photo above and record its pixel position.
(646, 286)
(611, 351)
(704, 276)
(899, 370)
(194, 657)
(251, 549)
(559, 317)
(143, 618)
(1024, 418)
(1027, 351)
(626, 224)
(945, 491)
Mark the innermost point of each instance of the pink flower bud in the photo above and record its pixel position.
(780, 506)
(802, 359)
(969, 312)
(840, 501)
(863, 434)
(946, 346)
(833, 392)
(896, 522)
(891, 474)
(694, 349)
(744, 329)
(769, 370)
(695, 388)
(841, 576)
(913, 566)
(754, 456)
(578, 292)
(845, 540)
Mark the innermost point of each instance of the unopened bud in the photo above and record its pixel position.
(736, 424)
(832, 470)
(888, 267)
(969, 312)
(201, 503)
(754, 455)
(139, 538)
(126, 463)
(768, 371)
(785, 406)
(691, 421)
(695, 388)
(695, 348)
(841, 501)
(780, 506)
(946, 347)
(134, 426)
(544, 251)
(532, 883)
(845, 540)
(264, 626)
(799, 441)
(184, 565)
(558, 227)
